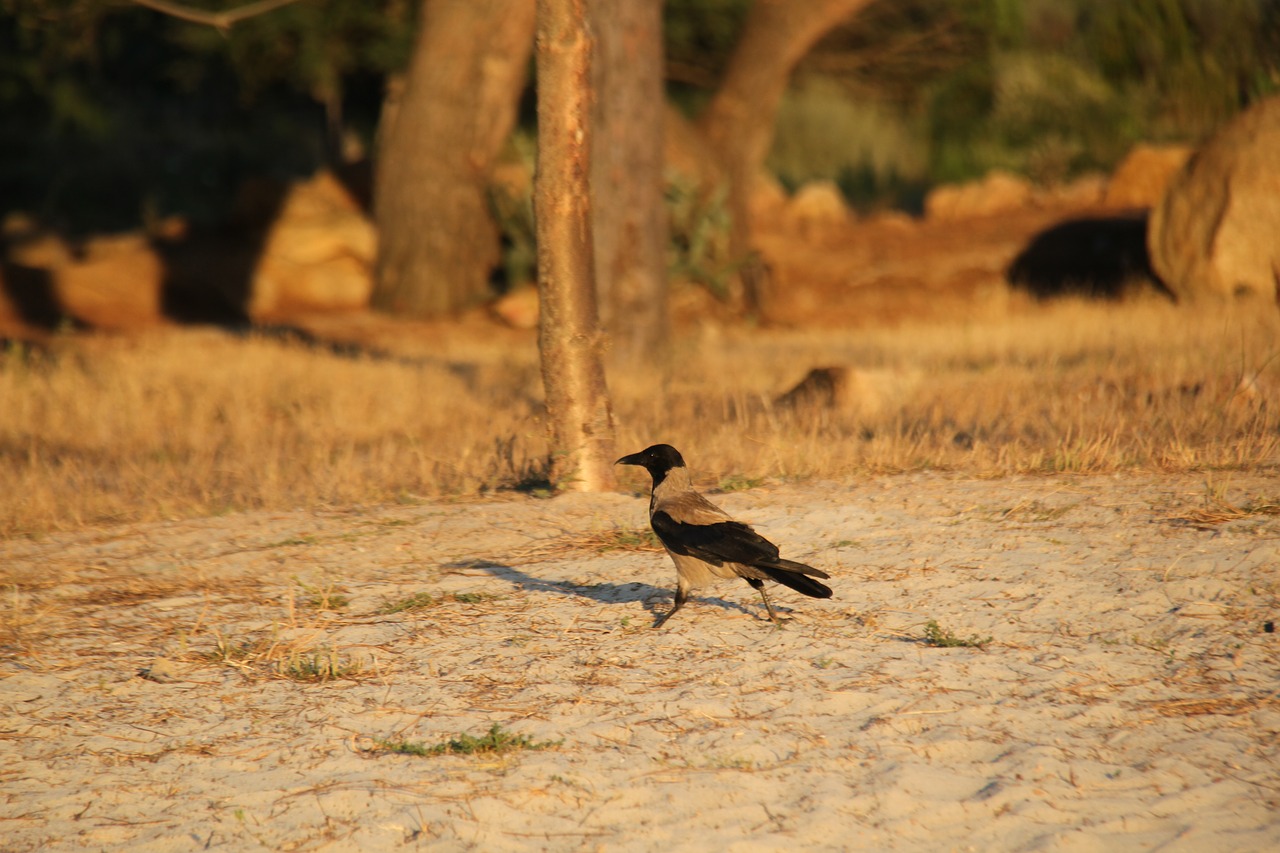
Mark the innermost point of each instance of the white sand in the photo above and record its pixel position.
(1128, 699)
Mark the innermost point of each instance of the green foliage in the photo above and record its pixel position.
(699, 237)
(875, 155)
(512, 205)
(700, 35)
(137, 114)
(310, 46)
(114, 113)
(1047, 88)
(1063, 87)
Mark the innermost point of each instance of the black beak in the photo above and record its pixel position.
(633, 459)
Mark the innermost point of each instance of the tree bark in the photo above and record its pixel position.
(629, 215)
(438, 240)
(738, 123)
(569, 335)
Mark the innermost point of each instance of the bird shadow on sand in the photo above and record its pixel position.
(656, 600)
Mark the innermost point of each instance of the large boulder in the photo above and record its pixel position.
(111, 282)
(1143, 176)
(317, 254)
(1216, 234)
(817, 209)
(997, 192)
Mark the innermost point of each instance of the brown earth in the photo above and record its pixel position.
(847, 272)
(250, 681)
(1118, 690)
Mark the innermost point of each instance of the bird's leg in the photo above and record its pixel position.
(759, 587)
(682, 595)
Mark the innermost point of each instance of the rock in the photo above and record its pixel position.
(998, 192)
(1216, 234)
(1141, 178)
(318, 253)
(41, 250)
(816, 209)
(768, 200)
(897, 220)
(116, 285)
(518, 308)
(1084, 191)
(111, 282)
(852, 392)
(512, 178)
(162, 671)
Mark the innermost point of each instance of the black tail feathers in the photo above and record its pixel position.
(796, 575)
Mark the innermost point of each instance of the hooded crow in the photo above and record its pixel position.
(705, 543)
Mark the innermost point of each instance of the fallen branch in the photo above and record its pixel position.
(219, 20)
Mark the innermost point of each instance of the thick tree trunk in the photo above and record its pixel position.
(738, 123)
(569, 335)
(438, 240)
(629, 216)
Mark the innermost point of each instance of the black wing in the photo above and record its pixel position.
(718, 543)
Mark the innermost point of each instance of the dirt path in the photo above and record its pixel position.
(1128, 696)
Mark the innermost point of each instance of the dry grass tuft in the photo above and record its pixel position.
(187, 423)
(496, 741)
(1222, 512)
(615, 539)
(23, 621)
(278, 656)
(1224, 706)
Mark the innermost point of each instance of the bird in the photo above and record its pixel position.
(706, 543)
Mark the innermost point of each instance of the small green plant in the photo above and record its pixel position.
(417, 601)
(423, 600)
(699, 247)
(939, 637)
(291, 542)
(318, 666)
(285, 659)
(740, 482)
(475, 597)
(626, 539)
(326, 597)
(496, 740)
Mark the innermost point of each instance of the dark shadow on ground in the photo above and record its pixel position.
(1098, 257)
(605, 593)
(30, 291)
(610, 593)
(208, 274)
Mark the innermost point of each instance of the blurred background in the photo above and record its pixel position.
(890, 235)
(116, 115)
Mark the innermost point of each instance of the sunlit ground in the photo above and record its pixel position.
(193, 422)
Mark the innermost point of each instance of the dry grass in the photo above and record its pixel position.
(185, 423)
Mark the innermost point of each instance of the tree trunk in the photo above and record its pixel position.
(738, 123)
(438, 240)
(569, 335)
(628, 213)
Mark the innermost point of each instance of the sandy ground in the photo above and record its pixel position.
(1128, 698)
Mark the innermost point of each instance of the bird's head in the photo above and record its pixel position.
(657, 460)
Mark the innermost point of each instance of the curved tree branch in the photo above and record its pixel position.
(219, 20)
